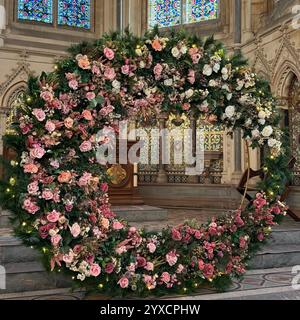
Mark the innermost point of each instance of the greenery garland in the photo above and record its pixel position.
(58, 192)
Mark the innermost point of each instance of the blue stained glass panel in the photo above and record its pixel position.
(35, 10)
(201, 10)
(75, 13)
(164, 13)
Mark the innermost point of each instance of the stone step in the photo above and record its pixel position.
(4, 219)
(31, 276)
(13, 251)
(283, 236)
(141, 213)
(49, 294)
(276, 256)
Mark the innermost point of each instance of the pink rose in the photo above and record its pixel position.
(30, 206)
(125, 69)
(83, 62)
(186, 106)
(90, 95)
(96, 70)
(50, 126)
(109, 73)
(180, 268)
(165, 277)
(95, 270)
(68, 122)
(176, 235)
(171, 258)
(208, 270)
(73, 84)
(47, 96)
(31, 168)
(117, 225)
(70, 76)
(75, 230)
(68, 258)
(191, 77)
(54, 164)
(109, 53)
(47, 194)
(109, 268)
(200, 264)
(141, 261)
(151, 247)
(243, 243)
(38, 152)
(104, 187)
(123, 282)
(149, 266)
(198, 234)
(53, 216)
(260, 236)
(157, 71)
(87, 115)
(33, 188)
(39, 114)
(55, 240)
(85, 146)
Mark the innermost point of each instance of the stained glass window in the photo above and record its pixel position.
(75, 13)
(164, 13)
(201, 10)
(35, 10)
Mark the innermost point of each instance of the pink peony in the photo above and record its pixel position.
(171, 258)
(151, 247)
(37, 152)
(50, 126)
(39, 114)
(95, 270)
(165, 277)
(53, 216)
(75, 230)
(109, 53)
(90, 95)
(55, 240)
(123, 282)
(117, 225)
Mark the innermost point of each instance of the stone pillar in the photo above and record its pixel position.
(135, 16)
(3, 112)
(247, 23)
(228, 156)
(193, 125)
(162, 175)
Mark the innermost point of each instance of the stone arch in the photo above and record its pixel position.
(283, 77)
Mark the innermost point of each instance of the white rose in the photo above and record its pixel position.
(267, 131)
(116, 84)
(175, 52)
(189, 93)
(212, 83)
(168, 82)
(216, 67)
(207, 70)
(138, 52)
(272, 142)
(224, 71)
(183, 49)
(230, 111)
(255, 133)
(142, 64)
(248, 122)
(229, 96)
(262, 114)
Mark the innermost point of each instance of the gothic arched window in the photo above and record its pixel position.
(72, 13)
(169, 13)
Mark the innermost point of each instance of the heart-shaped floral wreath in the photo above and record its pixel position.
(59, 192)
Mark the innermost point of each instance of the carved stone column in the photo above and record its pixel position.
(3, 113)
(193, 125)
(162, 176)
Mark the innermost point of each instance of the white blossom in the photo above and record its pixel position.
(207, 70)
(267, 131)
(230, 111)
(175, 52)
